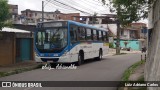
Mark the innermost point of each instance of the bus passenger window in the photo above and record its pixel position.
(94, 35)
(97, 35)
(81, 34)
(73, 34)
(89, 36)
(100, 36)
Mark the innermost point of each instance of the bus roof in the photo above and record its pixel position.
(77, 23)
(85, 25)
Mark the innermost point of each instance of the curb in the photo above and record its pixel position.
(19, 70)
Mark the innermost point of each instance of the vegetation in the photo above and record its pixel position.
(111, 45)
(4, 14)
(129, 71)
(128, 11)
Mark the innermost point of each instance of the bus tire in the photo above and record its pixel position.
(80, 59)
(100, 55)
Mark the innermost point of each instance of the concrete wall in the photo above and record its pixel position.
(7, 48)
(133, 44)
(152, 68)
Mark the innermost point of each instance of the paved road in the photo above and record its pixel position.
(110, 68)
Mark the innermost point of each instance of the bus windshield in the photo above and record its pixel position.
(52, 40)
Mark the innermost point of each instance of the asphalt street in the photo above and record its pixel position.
(111, 68)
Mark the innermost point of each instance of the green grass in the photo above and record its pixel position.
(130, 70)
(19, 70)
(127, 74)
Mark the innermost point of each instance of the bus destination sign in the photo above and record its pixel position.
(52, 24)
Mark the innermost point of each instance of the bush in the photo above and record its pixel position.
(111, 45)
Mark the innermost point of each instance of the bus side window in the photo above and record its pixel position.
(89, 35)
(97, 34)
(100, 36)
(104, 36)
(73, 34)
(94, 35)
(82, 33)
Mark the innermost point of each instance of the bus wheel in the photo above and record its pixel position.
(100, 55)
(80, 59)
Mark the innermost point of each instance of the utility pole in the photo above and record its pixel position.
(118, 38)
(42, 11)
(118, 32)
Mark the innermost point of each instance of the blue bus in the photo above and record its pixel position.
(69, 41)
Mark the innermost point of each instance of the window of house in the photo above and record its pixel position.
(35, 14)
(47, 15)
(30, 15)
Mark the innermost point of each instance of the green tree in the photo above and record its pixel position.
(128, 11)
(4, 14)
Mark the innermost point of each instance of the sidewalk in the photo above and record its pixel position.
(113, 51)
(20, 65)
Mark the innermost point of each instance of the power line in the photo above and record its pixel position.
(95, 4)
(59, 5)
(71, 7)
(81, 6)
(60, 8)
(91, 4)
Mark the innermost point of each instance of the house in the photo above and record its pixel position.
(134, 31)
(15, 46)
(32, 17)
(13, 9)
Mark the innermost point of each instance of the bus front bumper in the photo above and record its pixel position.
(64, 59)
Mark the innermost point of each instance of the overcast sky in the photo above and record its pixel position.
(90, 6)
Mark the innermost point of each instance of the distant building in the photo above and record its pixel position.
(69, 16)
(32, 17)
(13, 9)
(134, 31)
